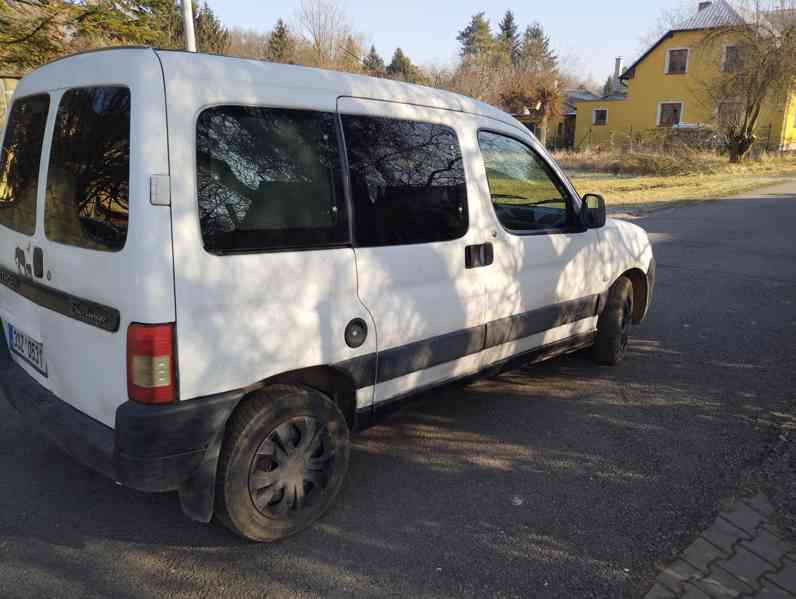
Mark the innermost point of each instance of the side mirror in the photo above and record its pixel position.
(593, 210)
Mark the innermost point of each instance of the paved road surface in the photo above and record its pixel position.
(563, 480)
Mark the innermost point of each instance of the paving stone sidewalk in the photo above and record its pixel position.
(742, 555)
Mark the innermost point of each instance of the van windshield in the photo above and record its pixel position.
(19, 163)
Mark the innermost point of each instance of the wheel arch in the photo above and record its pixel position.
(197, 494)
(638, 278)
(331, 381)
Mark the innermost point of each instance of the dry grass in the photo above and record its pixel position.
(648, 180)
(671, 162)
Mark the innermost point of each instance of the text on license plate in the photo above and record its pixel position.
(27, 348)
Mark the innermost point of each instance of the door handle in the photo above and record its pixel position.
(38, 262)
(478, 256)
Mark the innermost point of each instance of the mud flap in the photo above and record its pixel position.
(198, 493)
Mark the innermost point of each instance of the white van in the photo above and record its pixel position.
(213, 269)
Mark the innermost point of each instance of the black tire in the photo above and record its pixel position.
(614, 324)
(283, 461)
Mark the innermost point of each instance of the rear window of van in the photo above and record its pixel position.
(88, 178)
(19, 163)
(269, 179)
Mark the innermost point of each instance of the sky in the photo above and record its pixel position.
(587, 34)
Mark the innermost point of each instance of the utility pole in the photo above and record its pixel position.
(187, 19)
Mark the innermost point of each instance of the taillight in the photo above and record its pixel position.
(150, 363)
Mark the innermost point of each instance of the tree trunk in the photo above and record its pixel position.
(738, 146)
(541, 129)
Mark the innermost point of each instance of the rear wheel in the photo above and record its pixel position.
(282, 463)
(613, 326)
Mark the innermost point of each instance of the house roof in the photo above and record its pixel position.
(714, 15)
(718, 14)
(576, 95)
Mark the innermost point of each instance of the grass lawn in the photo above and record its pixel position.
(643, 193)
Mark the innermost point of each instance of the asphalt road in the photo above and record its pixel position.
(561, 480)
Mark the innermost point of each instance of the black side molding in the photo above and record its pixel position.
(371, 415)
(399, 361)
(91, 313)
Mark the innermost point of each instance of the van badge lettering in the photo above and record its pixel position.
(86, 314)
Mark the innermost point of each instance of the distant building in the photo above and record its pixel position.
(662, 88)
(560, 128)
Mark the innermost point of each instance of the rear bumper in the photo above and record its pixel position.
(152, 448)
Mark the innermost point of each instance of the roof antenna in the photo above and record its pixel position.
(187, 19)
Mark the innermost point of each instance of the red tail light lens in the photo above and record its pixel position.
(150, 363)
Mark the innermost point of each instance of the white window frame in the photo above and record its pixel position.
(594, 117)
(724, 56)
(668, 57)
(682, 111)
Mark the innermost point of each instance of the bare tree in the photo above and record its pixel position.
(248, 43)
(330, 39)
(755, 66)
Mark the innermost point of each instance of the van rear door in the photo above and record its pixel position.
(99, 254)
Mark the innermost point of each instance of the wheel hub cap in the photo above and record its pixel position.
(292, 467)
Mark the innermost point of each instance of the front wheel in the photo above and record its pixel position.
(613, 326)
(283, 461)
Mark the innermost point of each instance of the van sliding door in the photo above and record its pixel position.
(413, 226)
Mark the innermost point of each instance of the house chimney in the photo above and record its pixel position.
(704, 5)
(617, 74)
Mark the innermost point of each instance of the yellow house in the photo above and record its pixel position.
(666, 87)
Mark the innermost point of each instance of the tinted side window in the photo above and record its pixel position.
(88, 178)
(269, 178)
(407, 181)
(19, 163)
(526, 194)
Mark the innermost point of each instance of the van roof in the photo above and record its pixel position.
(339, 83)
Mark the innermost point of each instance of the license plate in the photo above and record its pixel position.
(27, 348)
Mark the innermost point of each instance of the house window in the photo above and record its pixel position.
(732, 59)
(669, 113)
(677, 61)
(599, 116)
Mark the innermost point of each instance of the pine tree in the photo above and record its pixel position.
(536, 52)
(509, 37)
(374, 64)
(36, 32)
(280, 43)
(211, 35)
(401, 68)
(476, 39)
